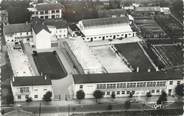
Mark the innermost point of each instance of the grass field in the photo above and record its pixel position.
(50, 64)
(135, 56)
(172, 53)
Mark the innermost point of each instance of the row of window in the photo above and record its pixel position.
(128, 92)
(46, 17)
(20, 97)
(26, 89)
(47, 12)
(111, 36)
(131, 85)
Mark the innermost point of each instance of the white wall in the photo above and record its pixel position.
(33, 90)
(43, 40)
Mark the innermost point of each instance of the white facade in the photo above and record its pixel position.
(106, 32)
(50, 14)
(35, 92)
(42, 40)
(123, 89)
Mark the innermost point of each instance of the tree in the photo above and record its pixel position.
(127, 104)
(47, 96)
(28, 99)
(162, 98)
(98, 94)
(113, 96)
(148, 94)
(80, 95)
(179, 90)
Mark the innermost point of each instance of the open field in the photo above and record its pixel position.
(50, 64)
(135, 56)
(172, 54)
(109, 59)
(170, 26)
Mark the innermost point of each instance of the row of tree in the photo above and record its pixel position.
(98, 94)
(46, 97)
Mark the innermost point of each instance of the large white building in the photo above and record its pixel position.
(47, 10)
(105, 28)
(122, 84)
(34, 87)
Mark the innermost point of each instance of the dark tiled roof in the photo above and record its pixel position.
(60, 23)
(111, 12)
(38, 25)
(16, 28)
(31, 80)
(104, 21)
(49, 6)
(125, 77)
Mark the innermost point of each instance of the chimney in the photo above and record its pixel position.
(157, 69)
(149, 70)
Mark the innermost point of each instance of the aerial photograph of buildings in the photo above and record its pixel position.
(91, 58)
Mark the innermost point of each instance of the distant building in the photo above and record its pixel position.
(122, 84)
(17, 32)
(111, 13)
(33, 87)
(105, 29)
(47, 10)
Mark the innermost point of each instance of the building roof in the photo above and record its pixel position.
(148, 9)
(125, 77)
(38, 25)
(18, 112)
(31, 80)
(111, 12)
(17, 28)
(104, 21)
(60, 23)
(49, 6)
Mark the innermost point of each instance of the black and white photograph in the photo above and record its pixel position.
(92, 58)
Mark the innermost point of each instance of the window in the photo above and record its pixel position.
(170, 82)
(41, 12)
(19, 96)
(153, 91)
(122, 92)
(35, 96)
(118, 92)
(53, 11)
(158, 91)
(178, 82)
(46, 17)
(81, 86)
(24, 89)
(53, 16)
(128, 92)
(35, 89)
(45, 89)
(46, 12)
(57, 11)
(108, 93)
(41, 17)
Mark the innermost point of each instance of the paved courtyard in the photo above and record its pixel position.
(109, 59)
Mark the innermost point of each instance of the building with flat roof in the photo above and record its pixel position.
(47, 10)
(33, 87)
(105, 28)
(122, 84)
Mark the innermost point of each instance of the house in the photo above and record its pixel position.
(47, 10)
(33, 87)
(17, 32)
(59, 27)
(122, 84)
(105, 28)
(111, 13)
(41, 34)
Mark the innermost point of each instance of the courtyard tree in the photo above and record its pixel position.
(179, 91)
(28, 99)
(98, 94)
(162, 98)
(113, 95)
(47, 96)
(80, 95)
